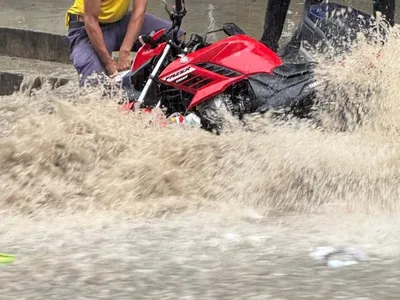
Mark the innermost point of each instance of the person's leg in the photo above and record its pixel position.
(83, 56)
(150, 23)
(274, 21)
(386, 8)
(290, 50)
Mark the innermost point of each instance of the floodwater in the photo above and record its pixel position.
(98, 204)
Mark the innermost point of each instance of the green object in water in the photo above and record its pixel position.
(6, 258)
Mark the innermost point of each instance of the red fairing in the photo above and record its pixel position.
(145, 52)
(239, 53)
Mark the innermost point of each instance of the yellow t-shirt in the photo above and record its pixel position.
(110, 10)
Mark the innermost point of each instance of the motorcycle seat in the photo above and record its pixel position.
(289, 70)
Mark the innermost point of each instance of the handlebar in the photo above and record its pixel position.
(176, 15)
(179, 5)
(120, 75)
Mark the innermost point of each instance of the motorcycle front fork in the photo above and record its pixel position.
(153, 75)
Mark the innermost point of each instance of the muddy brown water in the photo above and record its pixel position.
(97, 204)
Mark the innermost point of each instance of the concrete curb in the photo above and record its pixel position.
(10, 83)
(31, 44)
(34, 44)
(14, 82)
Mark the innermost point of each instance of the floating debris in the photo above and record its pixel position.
(336, 257)
(6, 259)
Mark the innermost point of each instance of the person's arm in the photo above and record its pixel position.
(91, 18)
(132, 33)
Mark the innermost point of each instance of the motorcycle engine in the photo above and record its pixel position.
(234, 103)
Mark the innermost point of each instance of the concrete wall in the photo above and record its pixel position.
(16, 82)
(10, 83)
(34, 44)
(38, 45)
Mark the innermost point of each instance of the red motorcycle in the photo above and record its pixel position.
(238, 74)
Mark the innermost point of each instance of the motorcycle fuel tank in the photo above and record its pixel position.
(210, 70)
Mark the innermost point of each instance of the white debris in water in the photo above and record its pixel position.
(336, 257)
(341, 263)
(320, 253)
(252, 215)
(233, 237)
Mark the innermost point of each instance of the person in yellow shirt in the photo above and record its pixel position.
(98, 27)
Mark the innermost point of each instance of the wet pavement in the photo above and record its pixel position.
(186, 259)
(48, 15)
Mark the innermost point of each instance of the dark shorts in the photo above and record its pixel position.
(82, 54)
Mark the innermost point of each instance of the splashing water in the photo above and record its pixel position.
(87, 155)
(212, 37)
